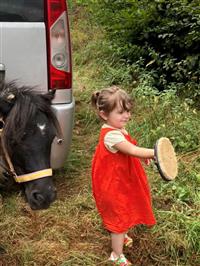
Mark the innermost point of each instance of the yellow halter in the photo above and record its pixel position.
(33, 175)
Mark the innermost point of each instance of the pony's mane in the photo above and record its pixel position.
(27, 103)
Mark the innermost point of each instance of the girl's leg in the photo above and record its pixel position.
(128, 241)
(117, 257)
(117, 241)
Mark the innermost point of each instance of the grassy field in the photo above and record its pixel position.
(70, 232)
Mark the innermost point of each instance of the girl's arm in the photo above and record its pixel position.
(131, 149)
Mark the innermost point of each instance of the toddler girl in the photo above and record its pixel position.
(119, 183)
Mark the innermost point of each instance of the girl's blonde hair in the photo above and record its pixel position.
(107, 99)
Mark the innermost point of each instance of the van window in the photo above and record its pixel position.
(21, 10)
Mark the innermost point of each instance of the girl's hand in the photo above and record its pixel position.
(147, 161)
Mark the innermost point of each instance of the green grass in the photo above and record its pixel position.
(70, 231)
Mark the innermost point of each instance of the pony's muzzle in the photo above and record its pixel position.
(39, 200)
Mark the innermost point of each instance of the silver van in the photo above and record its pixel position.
(35, 51)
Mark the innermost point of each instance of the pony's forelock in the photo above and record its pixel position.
(27, 103)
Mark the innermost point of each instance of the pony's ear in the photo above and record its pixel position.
(52, 93)
(49, 95)
(6, 103)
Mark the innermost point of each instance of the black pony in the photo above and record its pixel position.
(28, 127)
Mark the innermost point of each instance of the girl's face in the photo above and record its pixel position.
(118, 118)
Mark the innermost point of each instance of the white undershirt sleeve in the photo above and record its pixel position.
(112, 138)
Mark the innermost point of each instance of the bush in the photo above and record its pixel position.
(164, 33)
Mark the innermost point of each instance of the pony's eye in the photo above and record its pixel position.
(24, 135)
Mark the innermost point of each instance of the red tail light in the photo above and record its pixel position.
(59, 50)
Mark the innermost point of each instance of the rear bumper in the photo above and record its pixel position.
(65, 116)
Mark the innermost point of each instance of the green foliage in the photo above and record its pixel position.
(165, 115)
(101, 62)
(164, 33)
(70, 232)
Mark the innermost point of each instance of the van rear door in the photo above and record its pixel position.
(23, 51)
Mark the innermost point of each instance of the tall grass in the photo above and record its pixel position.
(155, 114)
(70, 232)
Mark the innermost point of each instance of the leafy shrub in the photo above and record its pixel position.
(164, 33)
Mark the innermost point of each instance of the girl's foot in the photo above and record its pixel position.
(128, 241)
(120, 261)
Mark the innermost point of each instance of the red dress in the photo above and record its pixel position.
(120, 188)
